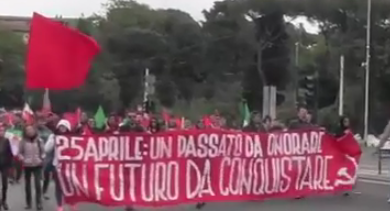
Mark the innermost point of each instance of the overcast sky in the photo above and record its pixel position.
(74, 8)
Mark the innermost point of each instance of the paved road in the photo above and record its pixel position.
(374, 191)
(372, 198)
(368, 166)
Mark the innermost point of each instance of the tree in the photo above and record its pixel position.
(215, 63)
(12, 51)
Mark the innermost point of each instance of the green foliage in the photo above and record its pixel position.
(214, 64)
(12, 51)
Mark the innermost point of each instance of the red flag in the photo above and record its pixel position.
(165, 115)
(179, 123)
(207, 121)
(28, 114)
(72, 118)
(145, 122)
(10, 118)
(58, 57)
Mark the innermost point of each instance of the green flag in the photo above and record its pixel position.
(14, 136)
(124, 122)
(245, 114)
(100, 118)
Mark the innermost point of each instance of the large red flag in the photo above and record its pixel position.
(58, 57)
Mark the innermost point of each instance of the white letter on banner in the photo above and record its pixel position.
(62, 142)
(76, 182)
(91, 151)
(98, 188)
(327, 182)
(205, 182)
(103, 149)
(67, 178)
(113, 152)
(113, 185)
(173, 177)
(147, 182)
(137, 147)
(189, 180)
(160, 181)
(223, 190)
(74, 144)
(132, 183)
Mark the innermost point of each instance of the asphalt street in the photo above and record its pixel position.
(370, 195)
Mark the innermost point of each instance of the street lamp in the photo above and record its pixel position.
(367, 73)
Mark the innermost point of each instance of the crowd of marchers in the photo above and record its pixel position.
(34, 160)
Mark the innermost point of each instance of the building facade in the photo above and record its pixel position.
(21, 25)
(15, 23)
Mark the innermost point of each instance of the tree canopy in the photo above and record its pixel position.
(239, 46)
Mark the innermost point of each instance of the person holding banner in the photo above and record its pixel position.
(255, 124)
(342, 130)
(63, 127)
(112, 125)
(85, 126)
(31, 153)
(6, 157)
(343, 127)
(200, 125)
(132, 126)
(154, 126)
(48, 168)
(303, 120)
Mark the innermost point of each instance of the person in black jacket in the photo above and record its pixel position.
(255, 124)
(303, 120)
(131, 126)
(6, 158)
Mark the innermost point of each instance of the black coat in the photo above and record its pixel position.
(6, 156)
(254, 128)
(299, 124)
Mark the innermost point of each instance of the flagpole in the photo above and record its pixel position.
(341, 86)
(367, 73)
(146, 87)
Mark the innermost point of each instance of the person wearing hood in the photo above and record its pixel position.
(63, 128)
(31, 153)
